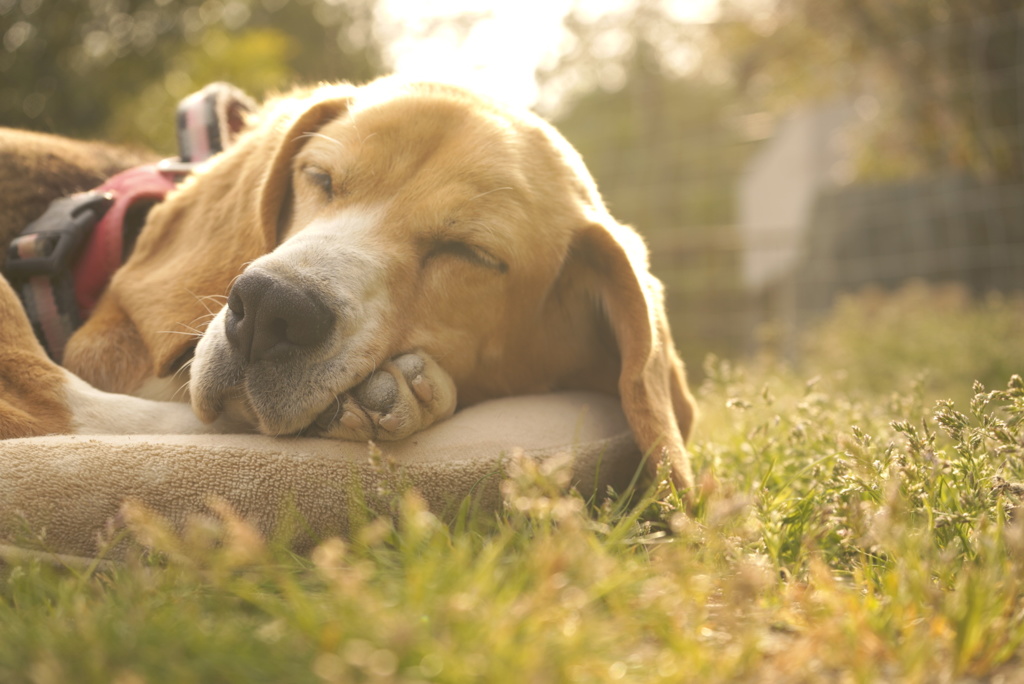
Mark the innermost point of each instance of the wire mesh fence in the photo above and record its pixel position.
(820, 206)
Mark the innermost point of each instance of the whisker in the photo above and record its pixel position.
(192, 333)
(233, 280)
(487, 193)
(185, 366)
(182, 390)
(201, 300)
(316, 134)
(337, 409)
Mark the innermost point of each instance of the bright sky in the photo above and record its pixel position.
(502, 52)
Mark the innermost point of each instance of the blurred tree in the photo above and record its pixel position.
(115, 68)
(660, 135)
(938, 82)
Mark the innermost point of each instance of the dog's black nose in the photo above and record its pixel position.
(270, 318)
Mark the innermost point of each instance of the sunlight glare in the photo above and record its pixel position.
(500, 53)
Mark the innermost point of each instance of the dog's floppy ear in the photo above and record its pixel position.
(193, 246)
(652, 380)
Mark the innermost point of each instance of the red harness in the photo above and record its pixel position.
(61, 263)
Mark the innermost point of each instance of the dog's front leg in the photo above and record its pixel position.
(32, 387)
(38, 397)
(95, 412)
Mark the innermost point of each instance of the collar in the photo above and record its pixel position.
(61, 263)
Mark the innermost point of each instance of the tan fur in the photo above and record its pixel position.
(193, 246)
(572, 306)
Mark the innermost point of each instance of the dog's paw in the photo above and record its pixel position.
(405, 395)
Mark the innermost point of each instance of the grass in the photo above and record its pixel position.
(848, 530)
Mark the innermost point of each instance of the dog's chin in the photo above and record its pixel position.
(265, 400)
(238, 409)
(271, 418)
(284, 397)
(282, 413)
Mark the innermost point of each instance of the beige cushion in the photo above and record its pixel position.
(63, 494)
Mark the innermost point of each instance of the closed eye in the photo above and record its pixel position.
(466, 252)
(320, 179)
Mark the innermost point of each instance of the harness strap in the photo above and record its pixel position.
(37, 266)
(106, 250)
(61, 263)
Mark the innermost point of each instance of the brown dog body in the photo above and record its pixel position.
(37, 168)
(363, 256)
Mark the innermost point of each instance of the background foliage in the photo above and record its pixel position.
(115, 69)
(942, 76)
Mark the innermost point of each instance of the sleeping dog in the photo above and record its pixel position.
(359, 262)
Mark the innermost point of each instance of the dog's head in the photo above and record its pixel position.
(351, 225)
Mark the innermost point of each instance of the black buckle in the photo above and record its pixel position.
(63, 228)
